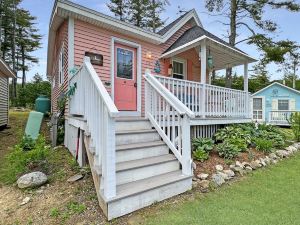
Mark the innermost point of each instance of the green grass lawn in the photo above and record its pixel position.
(268, 196)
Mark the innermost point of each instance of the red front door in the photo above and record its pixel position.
(125, 78)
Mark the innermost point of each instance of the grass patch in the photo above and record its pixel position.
(267, 196)
(20, 161)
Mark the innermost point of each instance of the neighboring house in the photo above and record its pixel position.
(5, 74)
(138, 98)
(275, 103)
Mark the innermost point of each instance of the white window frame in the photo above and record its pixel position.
(262, 108)
(61, 77)
(283, 99)
(184, 62)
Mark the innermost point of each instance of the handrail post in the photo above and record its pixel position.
(109, 159)
(186, 146)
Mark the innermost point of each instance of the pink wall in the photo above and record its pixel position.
(91, 38)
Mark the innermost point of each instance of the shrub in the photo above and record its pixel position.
(20, 161)
(239, 143)
(27, 143)
(295, 124)
(200, 155)
(277, 137)
(263, 145)
(227, 150)
(233, 132)
(206, 144)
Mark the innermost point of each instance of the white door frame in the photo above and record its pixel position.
(262, 106)
(114, 40)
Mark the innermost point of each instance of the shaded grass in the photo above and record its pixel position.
(268, 196)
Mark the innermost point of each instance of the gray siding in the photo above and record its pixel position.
(3, 101)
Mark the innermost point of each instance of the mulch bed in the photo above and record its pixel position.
(208, 166)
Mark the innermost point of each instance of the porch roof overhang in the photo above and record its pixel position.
(5, 70)
(224, 55)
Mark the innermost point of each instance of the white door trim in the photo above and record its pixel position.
(138, 73)
(262, 106)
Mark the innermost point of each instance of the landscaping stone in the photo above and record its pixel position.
(262, 162)
(25, 201)
(273, 156)
(258, 163)
(248, 168)
(245, 164)
(229, 173)
(231, 166)
(219, 167)
(267, 160)
(239, 170)
(224, 175)
(194, 166)
(297, 145)
(239, 164)
(274, 161)
(254, 165)
(202, 176)
(282, 153)
(204, 184)
(218, 179)
(75, 178)
(31, 180)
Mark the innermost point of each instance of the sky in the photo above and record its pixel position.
(288, 26)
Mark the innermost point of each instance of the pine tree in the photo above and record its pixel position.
(119, 8)
(155, 8)
(249, 15)
(138, 12)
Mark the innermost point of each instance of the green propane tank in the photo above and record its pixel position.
(42, 104)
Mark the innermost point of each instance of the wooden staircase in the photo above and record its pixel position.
(146, 171)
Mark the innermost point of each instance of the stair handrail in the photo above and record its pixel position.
(100, 112)
(171, 118)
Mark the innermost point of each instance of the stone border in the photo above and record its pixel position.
(222, 176)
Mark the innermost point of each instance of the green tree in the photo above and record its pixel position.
(249, 15)
(119, 8)
(138, 12)
(155, 8)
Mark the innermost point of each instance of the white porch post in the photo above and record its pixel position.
(186, 146)
(247, 105)
(203, 76)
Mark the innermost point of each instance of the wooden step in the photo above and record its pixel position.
(136, 195)
(136, 136)
(140, 151)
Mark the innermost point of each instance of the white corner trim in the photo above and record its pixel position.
(138, 68)
(71, 45)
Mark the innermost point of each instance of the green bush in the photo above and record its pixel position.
(233, 132)
(27, 143)
(20, 161)
(200, 155)
(206, 144)
(295, 125)
(239, 143)
(263, 145)
(227, 150)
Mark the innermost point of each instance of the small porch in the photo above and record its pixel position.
(191, 65)
(280, 118)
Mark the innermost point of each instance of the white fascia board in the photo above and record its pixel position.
(192, 44)
(5, 70)
(292, 89)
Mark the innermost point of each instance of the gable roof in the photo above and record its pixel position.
(172, 24)
(276, 83)
(5, 70)
(194, 33)
(64, 9)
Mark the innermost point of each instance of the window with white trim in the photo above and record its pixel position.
(61, 66)
(179, 67)
(283, 104)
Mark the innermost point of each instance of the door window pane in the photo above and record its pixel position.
(283, 104)
(124, 63)
(178, 70)
(257, 104)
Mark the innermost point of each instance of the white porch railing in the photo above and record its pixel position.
(92, 101)
(171, 118)
(280, 117)
(208, 100)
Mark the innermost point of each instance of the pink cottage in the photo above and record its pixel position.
(138, 98)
